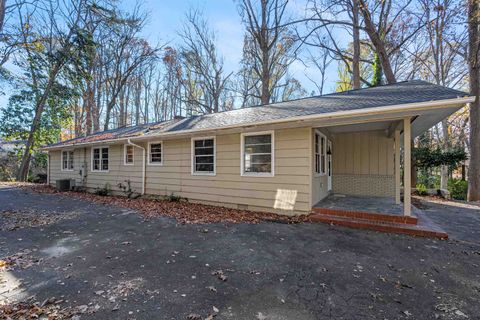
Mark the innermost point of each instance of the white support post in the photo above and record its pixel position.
(407, 162)
(397, 166)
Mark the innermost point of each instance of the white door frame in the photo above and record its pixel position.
(329, 165)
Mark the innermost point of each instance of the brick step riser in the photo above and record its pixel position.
(366, 216)
(378, 226)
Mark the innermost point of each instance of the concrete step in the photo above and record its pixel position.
(378, 225)
(366, 215)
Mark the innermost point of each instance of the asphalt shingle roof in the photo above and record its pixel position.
(414, 91)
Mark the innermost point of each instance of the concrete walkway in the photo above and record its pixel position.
(384, 205)
(460, 220)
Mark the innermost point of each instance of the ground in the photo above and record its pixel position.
(101, 261)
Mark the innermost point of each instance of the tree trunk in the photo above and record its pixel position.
(413, 166)
(265, 95)
(356, 46)
(377, 71)
(88, 101)
(377, 42)
(446, 147)
(474, 71)
(27, 153)
(2, 14)
(39, 107)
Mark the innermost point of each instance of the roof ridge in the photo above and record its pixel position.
(405, 92)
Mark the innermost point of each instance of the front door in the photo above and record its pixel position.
(329, 165)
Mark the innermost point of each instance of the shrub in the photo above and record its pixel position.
(421, 189)
(127, 189)
(458, 189)
(105, 191)
(173, 198)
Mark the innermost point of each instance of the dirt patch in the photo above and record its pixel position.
(183, 211)
(20, 260)
(50, 309)
(16, 219)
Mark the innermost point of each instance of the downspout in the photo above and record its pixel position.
(48, 168)
(143, 164)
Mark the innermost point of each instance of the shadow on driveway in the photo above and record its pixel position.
(460, 220)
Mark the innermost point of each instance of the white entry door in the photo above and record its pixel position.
(329, 164)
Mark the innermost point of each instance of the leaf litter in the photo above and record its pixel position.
(184, 211)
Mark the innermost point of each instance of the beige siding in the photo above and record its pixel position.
(228, 187)
(55, 165)
(117, 171)
(363, 153)
(363, 163)
(290, 185)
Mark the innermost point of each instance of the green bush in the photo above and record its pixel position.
(458, 189)
(173, 198)
(421, 189)
(105, 191)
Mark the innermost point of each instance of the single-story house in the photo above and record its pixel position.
(283, 157)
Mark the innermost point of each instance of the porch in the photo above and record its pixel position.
(366, 207)
(374, 213)
(367, 167)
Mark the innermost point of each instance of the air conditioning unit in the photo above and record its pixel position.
(65, 184)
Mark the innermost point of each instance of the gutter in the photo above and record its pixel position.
(324, 116)
(334, 115)
(143, 165)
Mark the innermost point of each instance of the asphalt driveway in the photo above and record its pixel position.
(111, 263)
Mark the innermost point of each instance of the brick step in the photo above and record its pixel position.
(366, 215)
(378, 225)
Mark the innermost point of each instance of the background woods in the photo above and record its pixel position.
(75, 67)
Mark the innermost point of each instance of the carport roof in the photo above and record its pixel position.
(402, 93)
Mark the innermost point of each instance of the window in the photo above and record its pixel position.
(100, 159)
(128, 154)
(155, 153)
(257, 154)
(67, 160)
(203, 156)
(320, 153)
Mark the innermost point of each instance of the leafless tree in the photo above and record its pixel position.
(319, 30)
(204, 76)
(440, 51)
(172, 80)
(269, 47)
(127, 52)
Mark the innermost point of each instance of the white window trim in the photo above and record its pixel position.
(192, 158)
(148, 154)
(61, 165)
(125, 163)
(91, 159)
(242, 155)
(320, 174)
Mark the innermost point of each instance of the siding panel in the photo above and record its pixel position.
(371, 173)
(227, 187)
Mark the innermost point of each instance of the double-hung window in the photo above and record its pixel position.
(100, 159)
(258, 154)
(320, 153)
(128, 154)
(155, 153)
(67, 160)
(203, 156)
